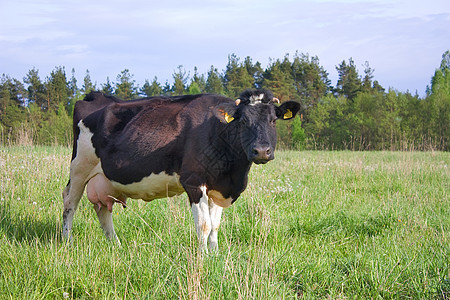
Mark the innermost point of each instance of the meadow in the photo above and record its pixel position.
(311, 225)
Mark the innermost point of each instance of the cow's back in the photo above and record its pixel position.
(156, 133)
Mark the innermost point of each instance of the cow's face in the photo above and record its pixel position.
(256, 124)
(257, 132)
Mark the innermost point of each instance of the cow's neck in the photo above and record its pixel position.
(227, 148)
(227, 164)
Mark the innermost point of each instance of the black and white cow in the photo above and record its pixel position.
(159, 147)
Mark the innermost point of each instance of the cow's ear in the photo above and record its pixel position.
(287, 110)
(225, 112)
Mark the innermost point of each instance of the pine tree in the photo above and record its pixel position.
(311, 79)
(236, 77)
(36, 89)
(368, 76)
(255, 71)
(107, 88)
(73, 84)
(445, 62)
(58, 89)
(74, 93)
(152, 89)
(88, 86)
(278, 78)
(13, 91)
(198, 83)
(5, 93)
(180, 80)
(11, 110)
(167, 89)
(214, 82)
(349, 83)
(125, 86)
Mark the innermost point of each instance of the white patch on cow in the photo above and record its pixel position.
(85, 148)
(256, 99)
(215, 213)
(202, 219)
(154, 186)
(219, 199)
(207, 215)
(81, 169)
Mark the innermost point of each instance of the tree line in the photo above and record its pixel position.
(357, 113)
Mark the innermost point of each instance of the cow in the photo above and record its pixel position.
(160, 147)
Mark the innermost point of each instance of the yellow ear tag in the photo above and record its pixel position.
(228, 118)
(288, 114)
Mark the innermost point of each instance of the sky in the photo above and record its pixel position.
(403, 40)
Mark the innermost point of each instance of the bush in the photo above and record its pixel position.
(298, 134)
(56, 130)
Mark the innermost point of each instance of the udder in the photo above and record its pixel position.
(100, 192)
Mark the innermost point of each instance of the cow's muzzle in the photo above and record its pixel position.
(261, 155)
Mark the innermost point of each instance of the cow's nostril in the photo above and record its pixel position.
(262, 154)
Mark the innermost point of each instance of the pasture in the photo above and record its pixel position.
(312, 225)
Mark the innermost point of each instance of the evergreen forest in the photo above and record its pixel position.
(355, 114)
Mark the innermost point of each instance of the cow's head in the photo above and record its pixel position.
(255, 114)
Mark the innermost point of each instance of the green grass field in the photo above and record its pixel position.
(311, 225)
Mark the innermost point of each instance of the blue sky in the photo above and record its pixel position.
(403, 40)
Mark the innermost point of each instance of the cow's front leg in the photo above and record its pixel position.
(215, 213)
(202, 219)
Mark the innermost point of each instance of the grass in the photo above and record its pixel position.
(311, 225)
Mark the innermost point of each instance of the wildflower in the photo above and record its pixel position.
(65, 295)
(34, 203)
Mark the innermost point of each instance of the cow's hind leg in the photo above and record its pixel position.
(105, 219)
(81, 169)
(72, 195)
